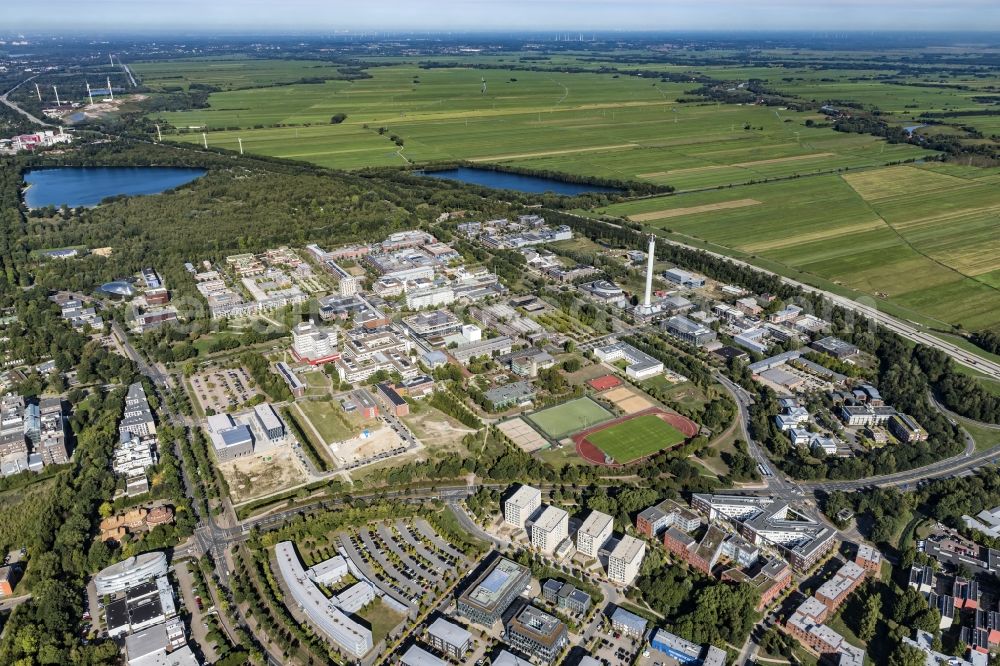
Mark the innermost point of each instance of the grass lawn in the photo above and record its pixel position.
(636, 438)
(381, 618)
(565, 455)
(986, 438)
(559, 421)
(329, 420)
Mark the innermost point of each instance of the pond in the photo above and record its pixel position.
(515, 181)
(87, 186)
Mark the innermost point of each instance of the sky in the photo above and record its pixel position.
(487, 15)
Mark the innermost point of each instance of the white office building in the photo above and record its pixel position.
(594, 533)
(625, 560)
(550, 529)
(519, 507)
(313, 344)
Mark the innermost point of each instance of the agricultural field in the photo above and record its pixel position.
(636, 438)
(923, 237)
(581, 123)
(229, 72)
(559, 421)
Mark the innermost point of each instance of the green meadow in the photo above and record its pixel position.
(583, 123)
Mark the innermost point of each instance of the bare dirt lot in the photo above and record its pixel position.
(259, 475)
(628, 400)
(437, 430)
(379, 442)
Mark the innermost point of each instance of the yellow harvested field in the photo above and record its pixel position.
(900, 181)
(824, 234)
(716, 167)
(692, 210)
(781, 160)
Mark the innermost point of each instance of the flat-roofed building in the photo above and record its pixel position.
(640, 365)
(625, 560)
(628, 623)
(313, 344)
(437, 323)
(268, 423)
(869, 558)
(491, 594)
(449, 638)
(488, 348)
(395, 404)
(328, 572)
(536, 633)
(549, 529)
(668, 513)
(323, 614)
(594, 533)
(689, 331)
(520, 506)
(417, 656)
(131, 572)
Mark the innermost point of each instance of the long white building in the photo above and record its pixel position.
(130, 572)
(323, 613)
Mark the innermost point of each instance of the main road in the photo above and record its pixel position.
(15, 107)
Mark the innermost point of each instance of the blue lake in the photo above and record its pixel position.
(87, 186)
(515, 181)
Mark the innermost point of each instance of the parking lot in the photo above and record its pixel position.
(615, 649)
(406, 557)
(223, 389)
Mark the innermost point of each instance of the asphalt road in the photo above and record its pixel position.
(15, 107)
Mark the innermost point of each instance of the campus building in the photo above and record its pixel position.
(549, 529)
(131, 572)
(520, 506)
(449, 638)
(536, 633)
(323, 613)
(313, 344)
(594, 533)
(491, 594)
(802, 540)
(625, 560)
(668, 513)
(689, 331)
(640, 366)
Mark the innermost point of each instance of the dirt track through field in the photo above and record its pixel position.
(548, 153)
(714, 167)
(692, 210)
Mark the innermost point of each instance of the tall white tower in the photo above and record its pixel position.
(648, 300)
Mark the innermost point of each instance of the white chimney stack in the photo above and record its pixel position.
(648, 300)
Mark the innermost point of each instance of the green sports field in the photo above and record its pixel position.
(636, 438)
(562, 420)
